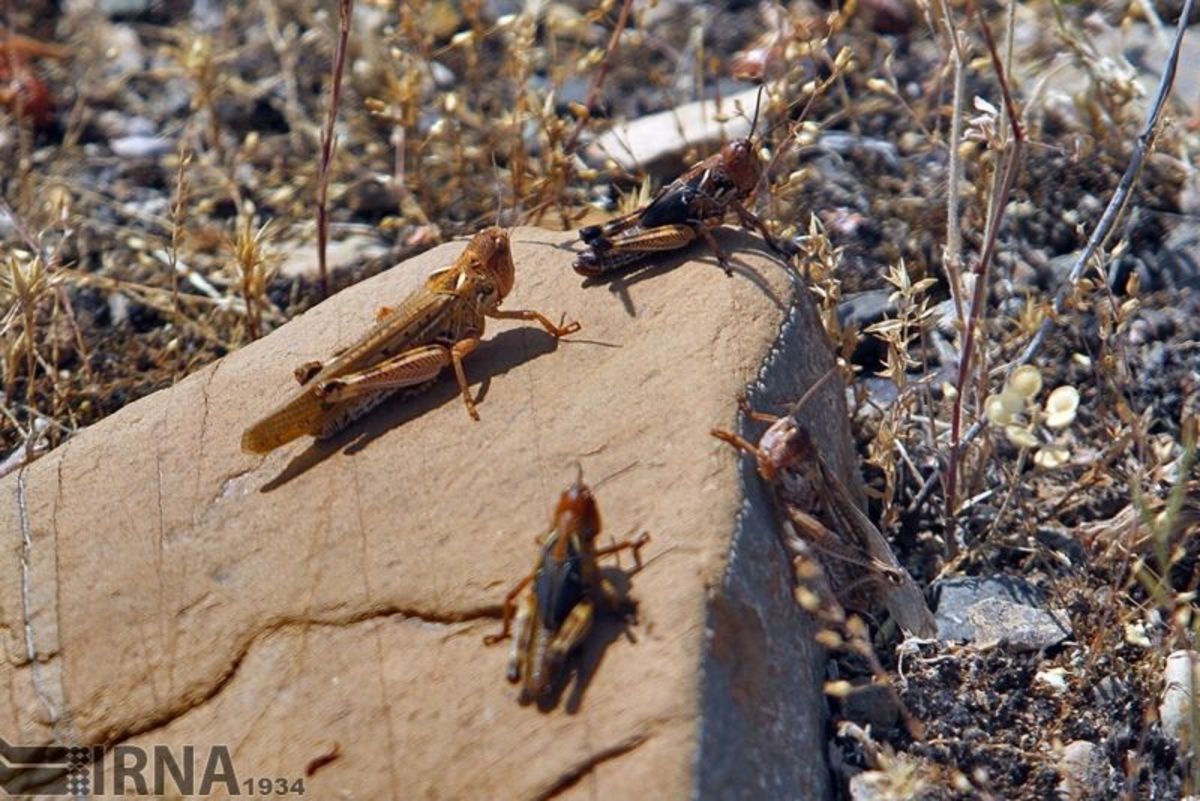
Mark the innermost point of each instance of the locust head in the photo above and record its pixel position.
(740, 158)
(493, 258)
(784, 445)
(577, 513)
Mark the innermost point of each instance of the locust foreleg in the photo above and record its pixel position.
(741, 443)
(556, 331)
(750, 221)
(634, 545)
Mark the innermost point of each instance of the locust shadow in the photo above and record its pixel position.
(495, 357)
(607, 627)
(732, 240)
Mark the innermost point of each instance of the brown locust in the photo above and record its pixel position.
(553, 607)
(691, 206)
(820, 519)
(435, 327)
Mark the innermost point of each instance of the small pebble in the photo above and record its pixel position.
(1176, 708)
(140, 147)
(1085, 772)
(123, 8)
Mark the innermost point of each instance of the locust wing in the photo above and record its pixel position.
(417, 321)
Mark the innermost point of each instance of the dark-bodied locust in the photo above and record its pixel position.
(553, 607)
(821, 523)
(435, 327)
(691, 206)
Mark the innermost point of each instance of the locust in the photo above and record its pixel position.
(691, 206)
(435, 327)
(553, 607)
(823, 527)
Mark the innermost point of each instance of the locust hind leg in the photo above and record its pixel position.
(518, 652)
(407, 369)
(509, 606)
(605, 255)
(571, 633)
(592, 234)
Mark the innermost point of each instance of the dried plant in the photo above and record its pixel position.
(253, 265)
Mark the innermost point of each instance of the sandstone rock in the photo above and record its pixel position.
(323, 607)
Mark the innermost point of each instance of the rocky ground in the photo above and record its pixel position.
(169, 179)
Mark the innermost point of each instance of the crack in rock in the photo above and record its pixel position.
(37, 663)
(576, 773)
(197, 697)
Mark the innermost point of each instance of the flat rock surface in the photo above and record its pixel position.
(158, 586)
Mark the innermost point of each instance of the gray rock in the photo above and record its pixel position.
(1109, 690)
(864, 308)
(123, 48)
(1021, 627)
(955, 596)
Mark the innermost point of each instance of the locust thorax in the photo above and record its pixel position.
(740, 158)
(494, 258)
(577, 512)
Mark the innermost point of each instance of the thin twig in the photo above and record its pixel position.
(952, 256)
(345, 7)
(184, 158)
(982, 272)
(598, 81)
(1098, 238)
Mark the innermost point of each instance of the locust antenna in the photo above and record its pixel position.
(499, 189)
(807, 396)
(757, 106)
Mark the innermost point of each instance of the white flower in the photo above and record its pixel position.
(1061, 407)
